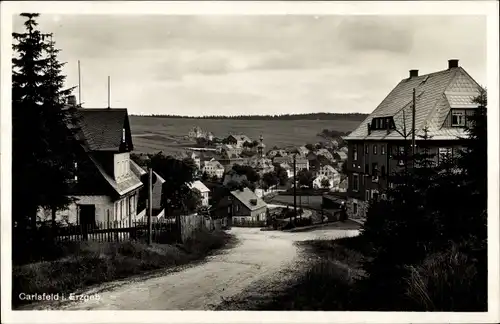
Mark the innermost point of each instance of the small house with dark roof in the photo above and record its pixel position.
(242, 205)
(238, 140)
(105, 188)
(443, 101)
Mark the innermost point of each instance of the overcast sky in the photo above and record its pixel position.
(232, 65)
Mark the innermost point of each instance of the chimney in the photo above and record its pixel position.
(452, 63)
(72, 101)
(413, 73)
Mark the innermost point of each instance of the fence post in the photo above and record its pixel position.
(150, 203)
(108, 226)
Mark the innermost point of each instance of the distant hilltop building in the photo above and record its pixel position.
(197, 132)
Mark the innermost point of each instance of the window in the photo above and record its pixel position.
(367, 195)
(123, 135)
(382, 171)
(355, 182)
(354, 152)
(367, 150)
(375, 149)
(382, 149)
(382, 123)
(374, 169)
(458, 118)
(374, 194)
(237, 208)
(367, 168)
(355, 209)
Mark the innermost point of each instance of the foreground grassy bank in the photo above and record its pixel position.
(335, 281)
(83, 264)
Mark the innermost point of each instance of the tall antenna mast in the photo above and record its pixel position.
(79, 85)
(109, 92)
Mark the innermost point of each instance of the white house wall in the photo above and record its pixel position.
(118, 210)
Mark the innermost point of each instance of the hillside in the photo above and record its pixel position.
(170, 134)
(313, 116)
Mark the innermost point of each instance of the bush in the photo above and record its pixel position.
(448, 281)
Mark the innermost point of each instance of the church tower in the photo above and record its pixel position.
(261, 147)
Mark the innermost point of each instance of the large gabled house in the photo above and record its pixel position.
(105, 188)
(443, 101)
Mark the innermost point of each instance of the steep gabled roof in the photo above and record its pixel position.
(123, 187)
(198, 185)
(101, 129)
(241, 138)
(246, 196)
(435, 94)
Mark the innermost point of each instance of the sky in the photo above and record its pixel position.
(257, 65)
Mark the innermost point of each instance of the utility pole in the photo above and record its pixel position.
(150, 203)
(413, 129)
(294, 185)
(79, 85)
(109, 92)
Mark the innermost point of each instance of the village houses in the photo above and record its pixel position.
(303, 151)
(213, 168)
(329, 172)
(204, 191)
(342, 155)
(242, 205)
(325, 153)
(443, 102)
(288, 169)
(301, 163)
(238, 140)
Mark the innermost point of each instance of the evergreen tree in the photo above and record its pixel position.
(401, 229)
(42, 161)
(62, 123)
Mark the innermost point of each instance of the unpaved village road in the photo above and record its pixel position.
(258, 256)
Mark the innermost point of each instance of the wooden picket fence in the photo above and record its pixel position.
(162, 231)
(247, 223)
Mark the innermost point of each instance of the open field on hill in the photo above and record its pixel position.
(170, 134)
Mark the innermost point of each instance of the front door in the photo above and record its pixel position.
(87, 216)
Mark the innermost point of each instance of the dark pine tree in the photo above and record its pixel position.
(62, 123)
(42, 161)
(400, 230)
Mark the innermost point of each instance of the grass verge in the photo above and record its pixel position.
(333, 280)
(328, 282)
(84, 264)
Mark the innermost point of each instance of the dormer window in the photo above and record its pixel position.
(458, 118)
(382, 123)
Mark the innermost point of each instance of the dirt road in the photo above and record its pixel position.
(259, 256)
